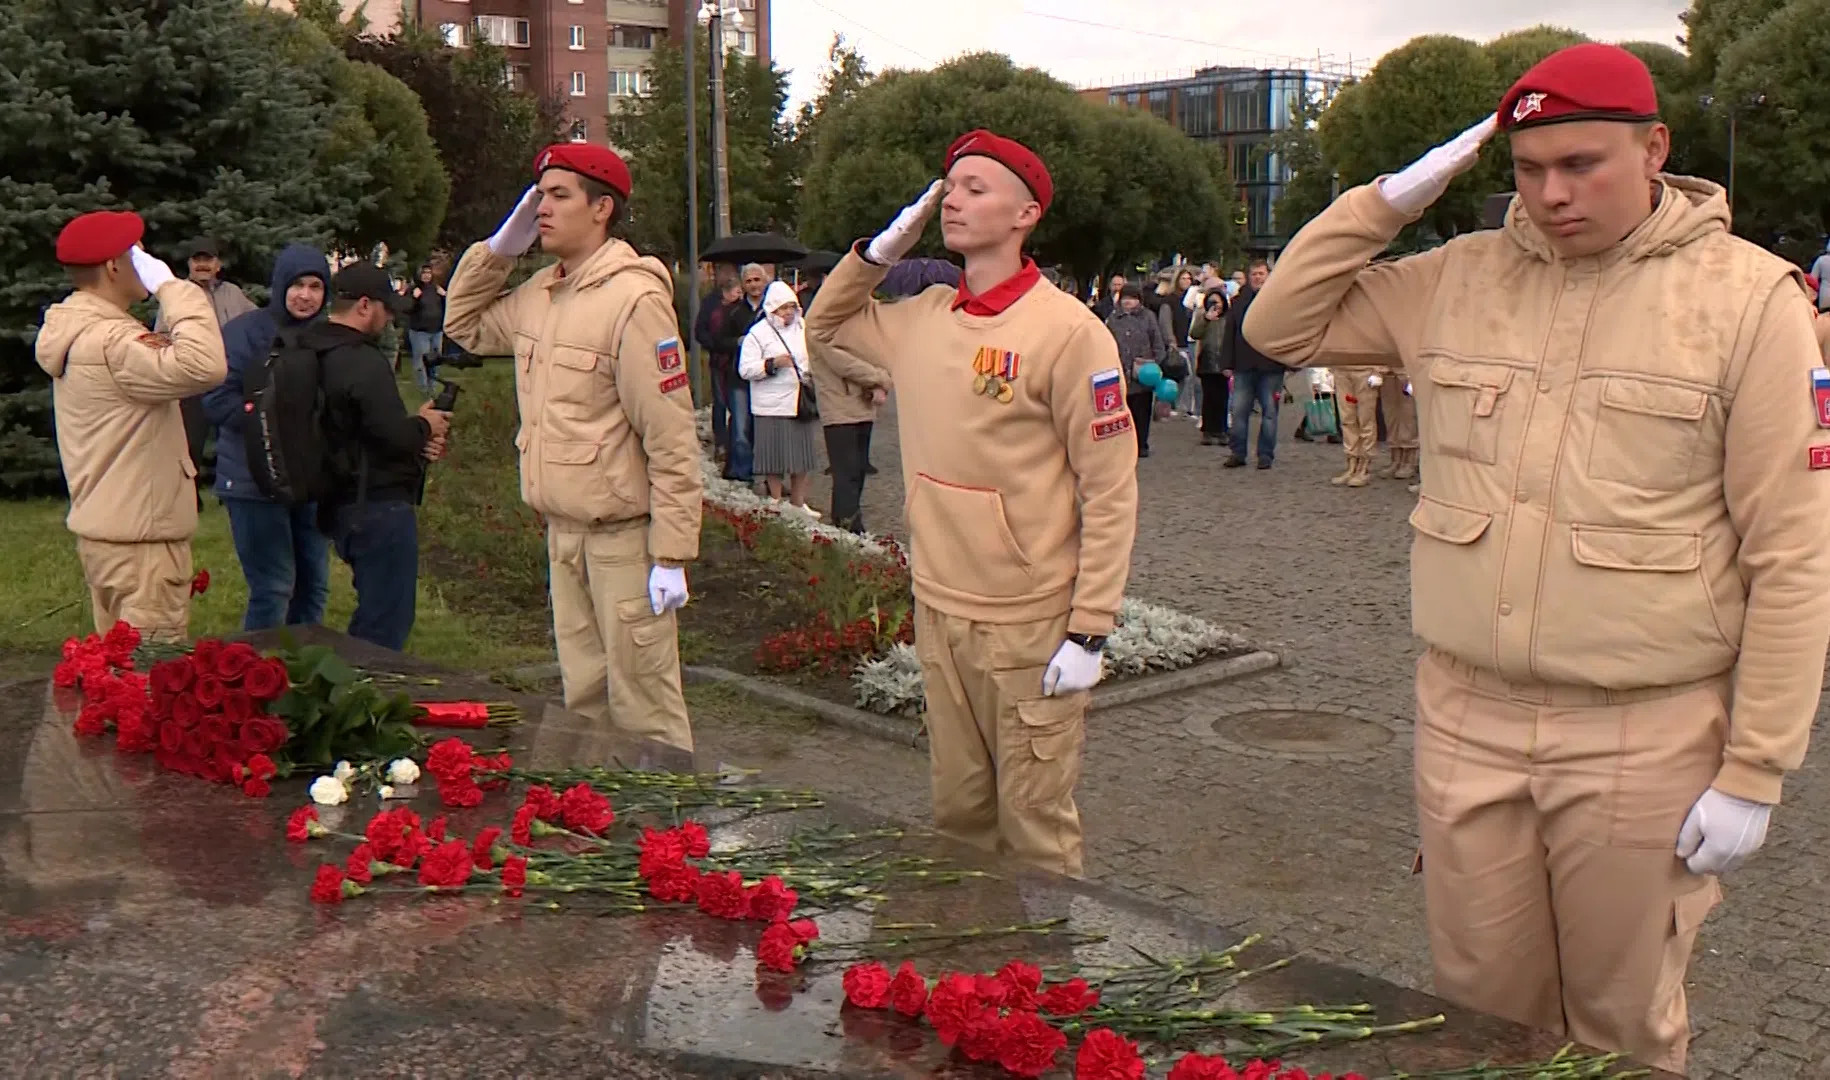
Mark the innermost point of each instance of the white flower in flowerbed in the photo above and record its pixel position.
(739, 499)
(1149, 638)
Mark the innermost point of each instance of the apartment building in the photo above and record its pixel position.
(593, 53)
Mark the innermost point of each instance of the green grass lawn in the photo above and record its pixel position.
(482, 588)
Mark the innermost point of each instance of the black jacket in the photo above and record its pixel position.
(427, 315)
(739, 316)
(363, 414)
(1236, 353)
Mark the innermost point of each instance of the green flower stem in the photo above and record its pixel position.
(1566, 1065)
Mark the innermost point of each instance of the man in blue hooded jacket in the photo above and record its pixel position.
(283, 556)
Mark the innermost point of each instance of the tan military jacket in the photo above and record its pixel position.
(607, 431)
(1623, 486)
(115, 388)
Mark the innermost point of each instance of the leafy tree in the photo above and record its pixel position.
(176, 109)
(1518, 52)
(1127, 186)
(1299, 147)
(486, 134)
(651, 133)
(1711, 26)
(846, 73)
(1782, 175)
(1695, 148)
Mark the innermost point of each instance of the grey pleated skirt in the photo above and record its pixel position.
(785, 446)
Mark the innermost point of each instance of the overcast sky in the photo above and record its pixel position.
(1099, 42)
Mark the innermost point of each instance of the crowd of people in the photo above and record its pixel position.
(1618, 570)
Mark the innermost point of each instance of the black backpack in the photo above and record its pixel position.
(283, 412)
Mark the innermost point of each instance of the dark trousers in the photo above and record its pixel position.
(196, 437)
(1141, 406)
(721, 407)
(1213, 405)
(741, 429)
(285, 560)
(380, 542)
(848, 449)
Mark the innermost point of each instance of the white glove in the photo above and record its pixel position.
(666, 589)
(151, 271)
(1424, 180)
(520, 229)
(1073, 669)
(1721, 832)
(899, 239)
(1375, 381)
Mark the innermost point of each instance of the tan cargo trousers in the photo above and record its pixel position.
(1003, 758)
(1359, 407)
(1400, 414)
(1549, 817)
(146, 585)
(619, 661)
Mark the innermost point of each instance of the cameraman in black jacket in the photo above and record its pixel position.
(381, 451)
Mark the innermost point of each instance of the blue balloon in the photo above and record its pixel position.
(1148, 375)
(1167, 390)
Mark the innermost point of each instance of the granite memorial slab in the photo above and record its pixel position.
(156, 925)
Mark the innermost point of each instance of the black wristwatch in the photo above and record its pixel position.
(1088, 642)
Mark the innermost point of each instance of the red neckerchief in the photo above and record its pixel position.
(999, 297)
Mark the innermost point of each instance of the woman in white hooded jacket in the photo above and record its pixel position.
(774, 361)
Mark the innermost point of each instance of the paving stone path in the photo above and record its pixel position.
(1311, 841)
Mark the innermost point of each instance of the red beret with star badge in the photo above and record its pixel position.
(600, 163)
(1009, 153)
(92, 239)
(1591, 81)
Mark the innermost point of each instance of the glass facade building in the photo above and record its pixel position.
(1238, 108)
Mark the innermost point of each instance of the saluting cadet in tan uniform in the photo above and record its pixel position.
(1021, 472)
(1620, 563)
(609, 451)
(115, 389)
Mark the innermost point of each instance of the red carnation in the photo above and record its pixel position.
(436, 830)
(867, 985)
(585, 810)
(951, 1006)
(298, 826)
(908, 991)
(698, 843)
(65, 674)
(544, 802)
(483, 849)
(460, 793)
(721, 895)
(1070, 998)
(89, 721)
(514, 875)
(676, 884)
(1202, 1067)
(450, 759)
(328, 888)
(661, 851)
(200, 584)
(447, 865)
(781, 947)
(983, 1035)
(1027, 1045)
(359, 865)
(990, 989)
(1021, 981)
(522, 831)
(1107, 1055)
(771, 901)
(390, 834)
(256, 788)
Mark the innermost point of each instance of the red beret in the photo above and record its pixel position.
(1009, 153)
(597, 162)
(1591, 81)
(93, 238)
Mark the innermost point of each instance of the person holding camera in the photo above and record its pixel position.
(1209, 331)
(380, 452)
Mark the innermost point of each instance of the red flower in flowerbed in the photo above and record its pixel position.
(817, 644)
(204, 714)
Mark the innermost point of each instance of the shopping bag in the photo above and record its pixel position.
(1320, 414)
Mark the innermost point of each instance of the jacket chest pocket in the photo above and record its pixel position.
(1466, 408)
(1646, 433)
(572, 377)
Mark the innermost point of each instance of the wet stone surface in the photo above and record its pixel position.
(156, 925)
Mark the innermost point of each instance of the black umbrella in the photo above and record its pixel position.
(820, 262)
(753, 247)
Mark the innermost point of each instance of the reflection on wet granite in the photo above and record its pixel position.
(154, 924)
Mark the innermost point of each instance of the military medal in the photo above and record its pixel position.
(996, 369)
(1005, 393)
(979, 383)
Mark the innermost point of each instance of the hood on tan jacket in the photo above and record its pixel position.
(1688, 210)
(614, 257)
(64, 323)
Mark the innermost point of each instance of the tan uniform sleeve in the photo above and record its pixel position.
(1823, 336)
(845, 316)
(1323, 306)
(848, 366)
(1105, 476)
(1779, 505)
(660, 409)
(155, 368)
(477, 314)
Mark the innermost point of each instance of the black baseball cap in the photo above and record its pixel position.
(366, 281)
(203, 245)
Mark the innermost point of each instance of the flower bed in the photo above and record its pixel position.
(837, 605)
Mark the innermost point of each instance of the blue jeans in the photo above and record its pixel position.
(424, 344)
(742, 428)
(1264, 389)
(380, 542)
(285, 560)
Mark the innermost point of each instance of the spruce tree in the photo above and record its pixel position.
(189, 112)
